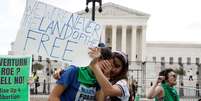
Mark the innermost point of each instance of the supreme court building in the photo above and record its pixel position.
(123, 29)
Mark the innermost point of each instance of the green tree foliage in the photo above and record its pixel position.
(37, 66)
(180, 71)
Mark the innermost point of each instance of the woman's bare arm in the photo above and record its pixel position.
(155, 90)
(56, 93)
(107, 88)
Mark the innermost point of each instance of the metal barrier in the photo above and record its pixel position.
(193, 93)
(144, 73)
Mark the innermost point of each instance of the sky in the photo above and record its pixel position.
(170, 20)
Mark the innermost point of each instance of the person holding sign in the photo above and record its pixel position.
(79, 84)
(111, 78)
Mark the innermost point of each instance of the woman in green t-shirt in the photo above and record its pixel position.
(163, 89)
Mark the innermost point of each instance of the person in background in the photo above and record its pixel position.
(34, 82)
(133, 89)
(31, 83)
(79, 83)
(163, 89)
(190, 72)
(37, 84)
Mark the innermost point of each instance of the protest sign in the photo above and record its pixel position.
(14, 76)
(56, 34)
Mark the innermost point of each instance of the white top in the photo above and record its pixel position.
(123, 85)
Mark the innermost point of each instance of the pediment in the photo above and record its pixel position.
(111, 9)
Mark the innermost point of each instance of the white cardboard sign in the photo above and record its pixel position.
(56, 34)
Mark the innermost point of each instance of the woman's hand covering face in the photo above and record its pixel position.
(105, 66)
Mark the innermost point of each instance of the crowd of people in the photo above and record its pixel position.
(105, 79)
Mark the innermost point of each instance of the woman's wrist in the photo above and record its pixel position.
(156, 84)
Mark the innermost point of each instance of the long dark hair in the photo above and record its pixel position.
(165, 73)
(124, 60)
(106, 53)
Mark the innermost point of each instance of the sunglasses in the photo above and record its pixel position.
(174, 75)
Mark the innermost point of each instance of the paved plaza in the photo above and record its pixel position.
(44, 98)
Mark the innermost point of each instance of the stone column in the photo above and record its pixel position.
(103, 34)
(114, 37)
(123, 40)
(143, 43)
(133, 43)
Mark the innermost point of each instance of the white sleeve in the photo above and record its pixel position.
(123, 85)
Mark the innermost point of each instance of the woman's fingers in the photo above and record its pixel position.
(105, 66)
(160, 79)
(94, 52)
(57, 73)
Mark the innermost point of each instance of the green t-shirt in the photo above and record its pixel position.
(170, 93)
(86, 76)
